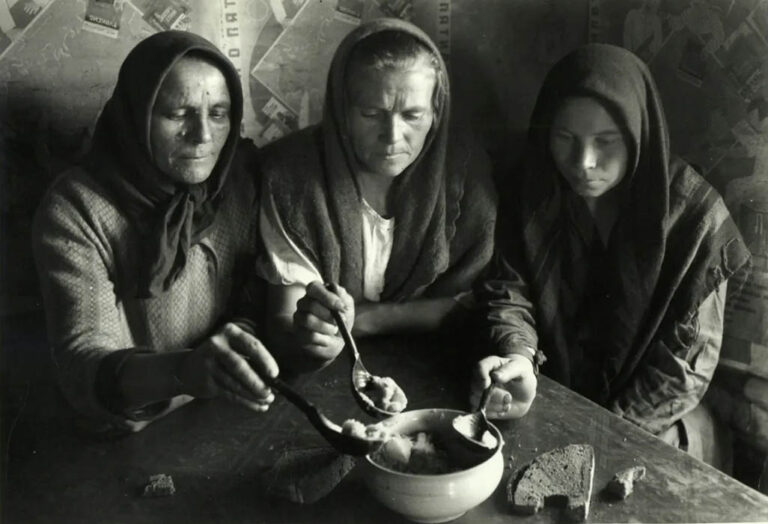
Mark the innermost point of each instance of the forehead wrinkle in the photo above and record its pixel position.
(182, 94)
(391, 91)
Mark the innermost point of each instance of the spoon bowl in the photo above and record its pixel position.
(473, 430)
(364, 383)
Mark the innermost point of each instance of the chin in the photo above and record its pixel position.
(191, 176)
(589, 193)
(388, 169)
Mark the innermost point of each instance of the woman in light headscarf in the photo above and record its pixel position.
(379, 199)
(140, 249)
(613, 256)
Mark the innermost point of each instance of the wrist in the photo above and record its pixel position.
(364, 324)
(535, 356)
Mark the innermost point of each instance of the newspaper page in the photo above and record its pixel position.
(103, 17)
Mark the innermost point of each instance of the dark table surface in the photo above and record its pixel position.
(218, 453)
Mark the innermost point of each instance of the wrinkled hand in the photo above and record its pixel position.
(229, 364)
(316, 330)
(515, 374)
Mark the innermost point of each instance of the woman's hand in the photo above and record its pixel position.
(515, 375)
(229, 364)
(313, 323)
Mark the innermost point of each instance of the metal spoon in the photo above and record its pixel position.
(362, 379)
(342, 442)
(474, 428)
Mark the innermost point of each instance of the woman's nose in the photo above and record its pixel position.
(585, 156)
(392, 131)
(199, 131)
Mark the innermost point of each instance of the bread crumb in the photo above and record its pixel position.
(160, 485)
(623, 482)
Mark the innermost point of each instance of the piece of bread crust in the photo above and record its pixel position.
(160, 485)
(562, 474)
(623, 482)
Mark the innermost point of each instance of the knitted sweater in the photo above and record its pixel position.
(86, 253)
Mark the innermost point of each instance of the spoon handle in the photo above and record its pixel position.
(294, 397)
(486, 395)
(345, 334)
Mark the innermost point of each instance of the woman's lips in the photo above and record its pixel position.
(394, 155)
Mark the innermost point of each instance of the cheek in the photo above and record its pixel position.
(417, 133)
(362, 133)
(163, 140)
(559, 153)
(220, 132)
(615, 162)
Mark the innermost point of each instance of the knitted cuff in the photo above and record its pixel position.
(107, 387)
(536, 356)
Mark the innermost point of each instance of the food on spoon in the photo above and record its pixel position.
(623, 482)
(370, 432)
(560, 474)
(384, 393)
(421, 453)
(467, 426)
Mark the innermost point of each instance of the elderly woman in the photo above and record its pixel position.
(616, 255)
(378, 199)
(140, 250)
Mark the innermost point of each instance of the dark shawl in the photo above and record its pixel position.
(170, 217)
(672, 245)
(444, 203)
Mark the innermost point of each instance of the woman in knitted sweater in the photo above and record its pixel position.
(140, 249)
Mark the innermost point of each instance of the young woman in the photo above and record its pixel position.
(140, 250)
(613, 256)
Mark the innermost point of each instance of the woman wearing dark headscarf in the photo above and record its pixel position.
(615, 254)
(378, 198)
(139, 250)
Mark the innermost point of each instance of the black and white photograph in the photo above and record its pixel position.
(383, 261)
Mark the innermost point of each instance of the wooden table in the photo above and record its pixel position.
(218, 453)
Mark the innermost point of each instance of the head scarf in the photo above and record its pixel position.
(672, 244)
(321, 204)
(170, 217)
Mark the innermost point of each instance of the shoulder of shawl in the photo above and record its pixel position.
(292, 163)
(469, 172)
(692, 200)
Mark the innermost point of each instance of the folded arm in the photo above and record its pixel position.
(418, 315)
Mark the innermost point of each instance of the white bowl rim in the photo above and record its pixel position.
(497, 451)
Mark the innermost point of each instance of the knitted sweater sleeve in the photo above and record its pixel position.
(85, 321)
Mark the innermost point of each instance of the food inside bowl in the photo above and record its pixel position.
(421, 453)
(425, 473)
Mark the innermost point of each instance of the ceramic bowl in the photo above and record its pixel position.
(434, 498)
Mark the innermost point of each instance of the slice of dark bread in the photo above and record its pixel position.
(562, 475)
(307, 475)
